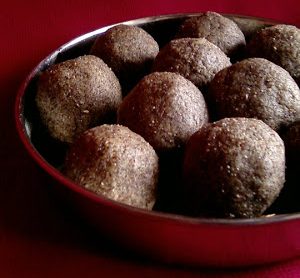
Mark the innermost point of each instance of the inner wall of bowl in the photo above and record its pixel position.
(162, 28)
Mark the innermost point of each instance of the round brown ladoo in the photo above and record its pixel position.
(165, 108)
(114, 162)
(256, 88)
(234, 167)
(279, 44)
(77, 94)
(219, 30)
(197, 60)
(128, 50)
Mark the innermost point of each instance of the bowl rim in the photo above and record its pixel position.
(134, 211)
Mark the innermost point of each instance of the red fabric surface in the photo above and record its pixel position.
(39, 236)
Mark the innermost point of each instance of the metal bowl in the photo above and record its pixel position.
(162, 236)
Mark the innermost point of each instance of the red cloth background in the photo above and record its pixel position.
(39, 237)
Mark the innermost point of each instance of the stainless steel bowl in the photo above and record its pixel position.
(167, 237)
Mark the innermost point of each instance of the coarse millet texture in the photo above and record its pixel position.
(197, 60)
(114, 162)
(219, 30)
(233, 168)
(128, 50)
(164, 108)
(256, 88)
(77, 94)
(279, 44)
